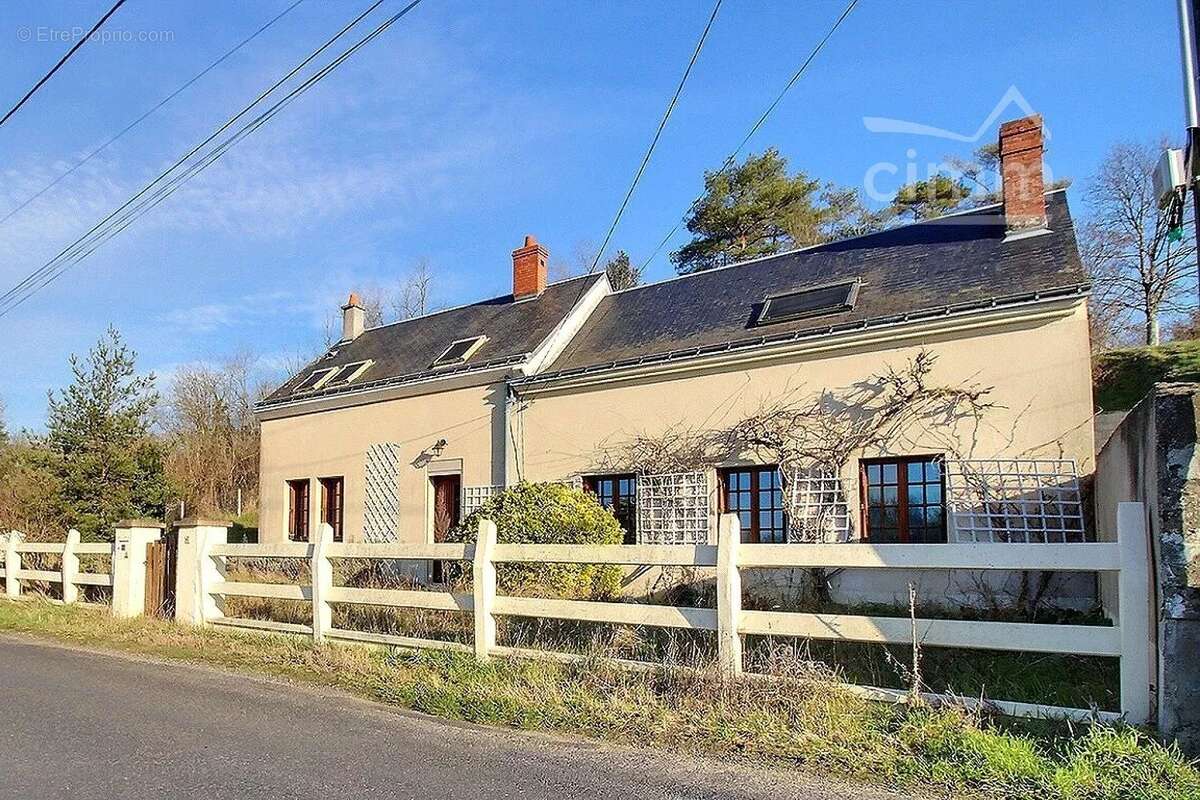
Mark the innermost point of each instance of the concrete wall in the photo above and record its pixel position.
(1152, 458)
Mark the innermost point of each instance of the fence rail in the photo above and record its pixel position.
(68, 575)
(1128, 639)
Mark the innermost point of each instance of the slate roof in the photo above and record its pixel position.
(960, 260)
(404, 351)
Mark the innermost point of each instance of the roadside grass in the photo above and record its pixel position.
(804, 720)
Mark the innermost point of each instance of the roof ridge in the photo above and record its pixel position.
(461, 306)
(811, 247)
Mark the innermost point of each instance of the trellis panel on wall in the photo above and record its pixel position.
(475, 496)
(381, 503)
(673, 508)
(817, 508)
(1014, 500)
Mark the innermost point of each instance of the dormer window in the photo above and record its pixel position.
(815, 302)
(459, 351)
(316, 380)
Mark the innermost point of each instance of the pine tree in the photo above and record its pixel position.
(108, 465)
(621, 273)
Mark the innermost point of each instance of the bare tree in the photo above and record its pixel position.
(1136, 265)
(212, 435)
(412, 299)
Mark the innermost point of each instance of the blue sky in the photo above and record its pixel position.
(470, 124)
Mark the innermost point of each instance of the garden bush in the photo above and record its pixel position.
(547, 513)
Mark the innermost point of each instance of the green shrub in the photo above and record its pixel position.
(548, 513)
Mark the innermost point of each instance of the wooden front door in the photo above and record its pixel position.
(447, 494)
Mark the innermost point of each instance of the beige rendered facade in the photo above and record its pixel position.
(494, 428)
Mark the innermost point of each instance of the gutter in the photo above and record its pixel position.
(384, 390)
(812, 339)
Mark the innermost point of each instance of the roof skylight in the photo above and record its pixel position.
(459, 351)
(814, 302)
(316, 380)
(347, 373)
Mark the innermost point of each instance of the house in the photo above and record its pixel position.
(399, 430)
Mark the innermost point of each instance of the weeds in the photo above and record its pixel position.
(805, 719)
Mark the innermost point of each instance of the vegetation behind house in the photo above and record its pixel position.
(1123, 377)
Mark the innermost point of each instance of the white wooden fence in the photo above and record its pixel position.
(202, 585)
(68, 575)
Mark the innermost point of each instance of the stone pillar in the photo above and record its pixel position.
(197, 569)
(129, 565)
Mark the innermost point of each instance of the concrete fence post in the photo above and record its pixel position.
(1134, 609)
(70, 568)
(197, 570)
(129, 565)
(322, 582)
(12, 565)
(729, 595)
(483, 573)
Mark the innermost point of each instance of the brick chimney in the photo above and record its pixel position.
(353, 319)
(1021, 173)
(529, 269)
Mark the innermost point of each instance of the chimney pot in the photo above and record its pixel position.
(529, 269)
(1024, 189)
(354, 319)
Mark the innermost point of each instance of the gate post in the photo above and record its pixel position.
(70, 568)
(197, 570)
(483, 574)
(321, 571)
(729, 595)
(129, 565)
(12, 565)
(1134, 609)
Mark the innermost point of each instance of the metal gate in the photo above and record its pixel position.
(160, 577)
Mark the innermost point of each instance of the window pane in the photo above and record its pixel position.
(874, 496)
(933, 493)
(916, 496)
(933, 471)
(891, 496)
(889, 473)
(873, 473)
(916, 517)
(916, 470)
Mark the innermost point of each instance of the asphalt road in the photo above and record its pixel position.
(81, 724)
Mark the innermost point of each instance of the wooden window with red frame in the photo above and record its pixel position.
(755, 494)
(903, 499)
(617, 493)
(298, 510)
(332, 491)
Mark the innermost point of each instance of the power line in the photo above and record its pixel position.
(62, 61)
(763, 118)
(114, 223)
(657, 133)
(154, 108)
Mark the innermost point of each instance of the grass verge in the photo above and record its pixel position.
(808, 723)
